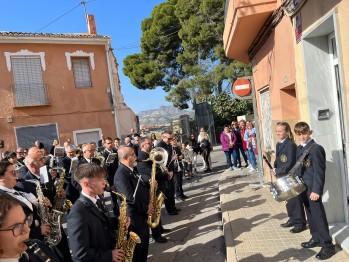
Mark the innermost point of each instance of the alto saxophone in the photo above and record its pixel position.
(55, 220)
(128, 245)
(158, 156)
(58, 204)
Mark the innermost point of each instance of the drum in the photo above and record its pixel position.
(287, 187)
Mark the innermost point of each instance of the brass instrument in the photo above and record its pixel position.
(58, 204)
(46, 218)
(158, 156)
(128, 245)
(100, 158)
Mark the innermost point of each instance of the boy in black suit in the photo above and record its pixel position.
(91, 231)
(312, 171)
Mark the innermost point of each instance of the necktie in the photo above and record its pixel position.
(100, 204)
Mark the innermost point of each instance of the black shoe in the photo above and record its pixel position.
(178, 209)
(160, 239)
(310, 244)
(207, 170)
(165, 230)
(173, 213)
(325, 253)
(287, 224)
(184, 196)
(298, 229)
(246, 165)
(239, 166)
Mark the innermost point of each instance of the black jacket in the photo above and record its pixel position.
(285, 157)
(91, 232)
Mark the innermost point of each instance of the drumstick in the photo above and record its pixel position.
(267, 161)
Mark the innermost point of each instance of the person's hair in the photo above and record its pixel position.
(152, 135)
(301, 128)
(142, 141)
(242, 121)
(3, 167)
(249, 123)
(88, 170)
(11, 155)
(123, 152)
(117, 139)
(108, 138)
(226, 126)
(234, 122)
(6, 203)
(169, 132)
(287, 128)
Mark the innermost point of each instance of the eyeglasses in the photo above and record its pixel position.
(131, 154)
(17, 229)
(13, 172)
(169, 138)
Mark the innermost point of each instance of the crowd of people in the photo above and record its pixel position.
(49, 184)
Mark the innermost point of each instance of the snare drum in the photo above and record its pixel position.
(287, 187)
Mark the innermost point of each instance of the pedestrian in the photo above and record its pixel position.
(192, 144)
(239, 142)
(228, 141)
(206, 148)
(312, 171)
(285, 159)
(250, 139)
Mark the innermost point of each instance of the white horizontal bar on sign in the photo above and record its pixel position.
(240, 87)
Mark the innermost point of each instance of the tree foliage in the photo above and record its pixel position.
(226, 108)
(182, 52)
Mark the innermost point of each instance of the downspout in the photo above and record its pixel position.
(111, 81)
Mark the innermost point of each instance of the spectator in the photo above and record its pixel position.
(250, 139)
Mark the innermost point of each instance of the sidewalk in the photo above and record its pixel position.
(251, 224)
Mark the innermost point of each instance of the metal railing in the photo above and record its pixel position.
(30, 94)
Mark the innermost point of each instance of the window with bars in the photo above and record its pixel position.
(28, 88)
(81, 71)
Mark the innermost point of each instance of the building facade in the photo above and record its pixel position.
(59, 86)
(299, 56)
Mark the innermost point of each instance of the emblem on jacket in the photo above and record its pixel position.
(307, 163)
(283, 158)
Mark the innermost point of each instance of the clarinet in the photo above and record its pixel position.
(35, 250)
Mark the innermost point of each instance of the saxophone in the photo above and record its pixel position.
(55, 220)
(128, 245)
(60, 205)
(100, 157)
(158, 156)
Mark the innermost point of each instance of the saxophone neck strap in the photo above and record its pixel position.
(300, 160)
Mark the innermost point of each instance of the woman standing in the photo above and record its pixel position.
(284, 161)
(154, 140)
(205, 146)
(228, 141)
(250, 139)
(54, 144)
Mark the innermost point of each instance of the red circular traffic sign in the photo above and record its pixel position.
(242, 87)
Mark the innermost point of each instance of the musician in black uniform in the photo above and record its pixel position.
(128, 182)
(285, 159)
(14, 233)
(111, 169)
(144, 166)
(91, 231)
(312, 171)
(165, 143)
(178, 171)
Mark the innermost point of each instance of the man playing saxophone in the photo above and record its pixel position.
(128, 182)
(91, 231)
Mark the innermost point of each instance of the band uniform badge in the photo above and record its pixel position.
(283, 158)
(307, 163)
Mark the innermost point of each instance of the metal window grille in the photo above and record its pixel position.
(27, 135)
(83, 137)
(81, 70)
(28, 88)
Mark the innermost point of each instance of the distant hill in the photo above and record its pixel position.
(161, 116)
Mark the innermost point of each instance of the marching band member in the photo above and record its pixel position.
(178, 174)
(285, 160)
(128, 182)
(91, 231)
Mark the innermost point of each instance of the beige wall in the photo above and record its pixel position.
(71, 108)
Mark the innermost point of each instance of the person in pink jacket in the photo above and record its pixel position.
(228, 140)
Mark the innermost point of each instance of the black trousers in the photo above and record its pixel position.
(178, 182)
(206, 155)
(140, 227)
(317, 220)
(170, 201)
(295, 211)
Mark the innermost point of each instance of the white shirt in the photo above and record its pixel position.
(283, 140)
(94, 200)
(21, 197)
(306, 142)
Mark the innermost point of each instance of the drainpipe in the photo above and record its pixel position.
(112, 88)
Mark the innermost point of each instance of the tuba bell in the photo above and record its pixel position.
(158, 156)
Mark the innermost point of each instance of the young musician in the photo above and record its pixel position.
(284, 161)
(313, 173)
(91, 231)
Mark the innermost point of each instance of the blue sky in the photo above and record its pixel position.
(120, 19)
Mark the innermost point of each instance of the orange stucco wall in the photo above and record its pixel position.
(71, 108)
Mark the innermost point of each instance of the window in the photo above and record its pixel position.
(27, 135)
(87, 135)
(28, 88)
(81, 71)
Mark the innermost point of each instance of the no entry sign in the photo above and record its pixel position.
(242, 87)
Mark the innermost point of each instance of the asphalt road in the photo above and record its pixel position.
(197, 231)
